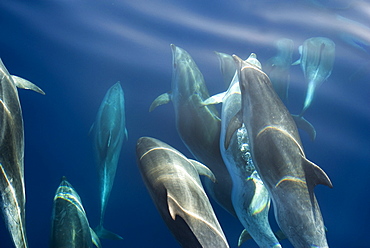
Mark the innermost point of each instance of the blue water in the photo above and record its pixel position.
(75, 50)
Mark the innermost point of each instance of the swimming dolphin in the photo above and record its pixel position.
(12, 187)
(279, 158)
(317, 59)
(70, 227)
(250, 197)
(277, 68)
(174, 185)
(109, 132)
(198, 126)
(227, 67)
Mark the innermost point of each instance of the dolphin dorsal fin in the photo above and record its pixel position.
(203, 170)
(160, 100)
(25, 84)
(215, 99)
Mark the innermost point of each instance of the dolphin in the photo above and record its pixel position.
(198, 126)
(175, 188)
(70, 227)
(249, 196)
(277, 68)
(12, 187)
(109, 131)
(279, 158)
(227, 67)
(317, 60)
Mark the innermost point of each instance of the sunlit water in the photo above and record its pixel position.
(75, 50)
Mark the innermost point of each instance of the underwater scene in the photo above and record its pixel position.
(184, 123)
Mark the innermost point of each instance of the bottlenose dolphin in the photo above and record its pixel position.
(277, 68)
(174, 185)
(109, 131)
(70, 227)
(279, 158)
(317, 59)
(249, 196)
(198, 126)
(12, 187)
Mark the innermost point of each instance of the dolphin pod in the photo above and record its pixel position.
(279, 158)
(175, 188)
(109, 130)
(12, 187)
(198, 126)
(250, 197)
(70, 227)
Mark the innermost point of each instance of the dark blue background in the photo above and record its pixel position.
(75, 50)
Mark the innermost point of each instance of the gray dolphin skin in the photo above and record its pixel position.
(176, 190)
(109, 130)
(279, 158)
(278, 67)
(227, 67)
(12, 187)
(198, 126)
(70, 227)
(317, 59)
(250, 197)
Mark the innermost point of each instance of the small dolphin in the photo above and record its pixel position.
(317, 59)
(70, 227)
(174, 185)
(198, 126)
(277, 68)
(250, 197)
(109, 131)
(12, 187)
(279, 158)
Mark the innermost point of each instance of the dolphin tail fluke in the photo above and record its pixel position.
(103, 233)
(305, 125)
(25, 84)
(160, 100)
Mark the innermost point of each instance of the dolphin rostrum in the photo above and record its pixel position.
(175, 188)
(12, 187)
(249, 196)
(198, 126)
(109, 131)
(317, 59)
(70, 227)
(279, 158)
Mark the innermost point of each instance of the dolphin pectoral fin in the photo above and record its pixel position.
(244, 236)
(305, 125)
(203, 170)
(103, 233)
(315, 175)
(95, 239)
(126, 134)
(234, 124)
(214, 99)
(160, 100)
(297, 62)
(25, 84)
